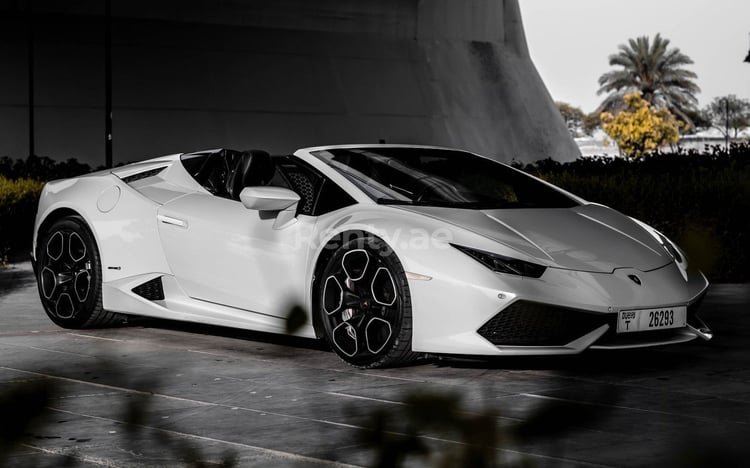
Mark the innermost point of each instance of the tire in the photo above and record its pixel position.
(364, 305)
(69, 276)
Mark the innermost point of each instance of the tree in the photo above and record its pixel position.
(579, 123)
(573, 117)
(654, 69)
(591, 122)
(640, 128)
(729, 114)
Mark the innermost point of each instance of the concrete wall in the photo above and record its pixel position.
(278, 75)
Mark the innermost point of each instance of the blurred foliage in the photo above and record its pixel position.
(438, 429)
(400, 434)
(27, 409)
(295, 320)
(23, 409)
(136, 415)
(641, 129)
(28, 414)
(397, 435)
(698, 199)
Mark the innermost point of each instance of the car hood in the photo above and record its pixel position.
(587, 238)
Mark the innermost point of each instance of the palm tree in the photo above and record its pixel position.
(654, 69)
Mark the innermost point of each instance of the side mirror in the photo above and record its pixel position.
(268, 198)
(272, 199)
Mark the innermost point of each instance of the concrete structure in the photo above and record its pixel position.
(276, 75)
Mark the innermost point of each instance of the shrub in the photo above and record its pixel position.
(18, 202)
(41, 168)
(21, 182)
(641, 129)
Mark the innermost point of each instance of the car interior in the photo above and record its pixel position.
(226, 172)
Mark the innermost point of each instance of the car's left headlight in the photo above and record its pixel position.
(502, 264)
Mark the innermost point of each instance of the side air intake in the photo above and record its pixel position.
(152, 290)
(142, 175)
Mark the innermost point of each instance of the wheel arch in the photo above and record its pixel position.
(395, 348)
(323, 256)
(86, 314)
(52, 217)
(326, 252)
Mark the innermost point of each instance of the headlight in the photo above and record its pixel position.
(503, 264)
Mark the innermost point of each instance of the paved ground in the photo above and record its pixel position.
(163, 394)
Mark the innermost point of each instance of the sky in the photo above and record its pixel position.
(570, 42)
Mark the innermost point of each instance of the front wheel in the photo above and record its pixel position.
(69, 276)
(364, 304)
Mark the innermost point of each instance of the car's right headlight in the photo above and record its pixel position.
(502, 264)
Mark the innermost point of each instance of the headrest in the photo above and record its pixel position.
(252, 168)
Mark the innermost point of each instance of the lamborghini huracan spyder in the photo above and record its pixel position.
(393, 251)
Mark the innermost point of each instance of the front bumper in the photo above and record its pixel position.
(564, 312)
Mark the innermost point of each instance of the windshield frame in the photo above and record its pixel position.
(454, 192)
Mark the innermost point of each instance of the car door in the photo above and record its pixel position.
(223, 253)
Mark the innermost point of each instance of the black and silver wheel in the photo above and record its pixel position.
(364, 304)
(69, 275)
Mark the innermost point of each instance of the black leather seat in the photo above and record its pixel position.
(252, 168)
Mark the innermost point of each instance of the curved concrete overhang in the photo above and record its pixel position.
(279, 75)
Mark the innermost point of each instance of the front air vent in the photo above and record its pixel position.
(152, 290)
(142, 175)
(533, 324)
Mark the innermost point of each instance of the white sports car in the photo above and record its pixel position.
(393, 251)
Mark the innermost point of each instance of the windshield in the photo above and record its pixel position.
(437, 177)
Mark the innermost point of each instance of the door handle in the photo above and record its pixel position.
(173, 221)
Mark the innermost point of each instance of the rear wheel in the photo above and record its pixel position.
(364, 304)
(69, 276)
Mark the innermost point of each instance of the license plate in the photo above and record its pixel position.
(651, 319)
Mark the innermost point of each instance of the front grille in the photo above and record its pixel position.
(526, 323)
(152, 290)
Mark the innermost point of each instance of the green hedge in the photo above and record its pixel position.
(21, 182)
(18, 203)
(41, 168)
(701, 200)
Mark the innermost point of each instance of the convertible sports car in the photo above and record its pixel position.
(394, 251)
